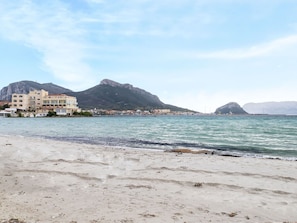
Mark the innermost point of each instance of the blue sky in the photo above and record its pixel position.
(198, 54)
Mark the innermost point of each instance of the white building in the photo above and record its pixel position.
(40, 102)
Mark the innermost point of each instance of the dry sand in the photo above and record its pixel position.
(49, 181)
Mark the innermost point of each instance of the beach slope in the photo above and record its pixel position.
(52, 181)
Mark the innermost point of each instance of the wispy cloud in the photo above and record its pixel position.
(51, 29)
(65, 37)
(259, 50)
(148, 18)
(70, 34)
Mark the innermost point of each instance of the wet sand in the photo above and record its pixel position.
(51, 181)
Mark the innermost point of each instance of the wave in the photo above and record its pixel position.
(224, 150)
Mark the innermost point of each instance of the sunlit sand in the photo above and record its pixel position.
(53, 181)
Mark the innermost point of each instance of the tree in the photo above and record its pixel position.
(51, 114)
(4, 106)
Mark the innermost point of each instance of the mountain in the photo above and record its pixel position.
(23, 87)
(230, 108)
(272, 108)
(112, 95)
(107, 95)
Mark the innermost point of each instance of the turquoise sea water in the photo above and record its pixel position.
(265, 136)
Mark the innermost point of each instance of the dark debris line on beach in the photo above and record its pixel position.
(15, 220)
(12, 220)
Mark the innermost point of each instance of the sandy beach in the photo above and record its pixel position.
(52, 181)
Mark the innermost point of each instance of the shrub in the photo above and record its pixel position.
(51, 114)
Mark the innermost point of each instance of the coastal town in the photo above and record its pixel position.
(39, 103)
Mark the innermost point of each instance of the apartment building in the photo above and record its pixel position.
(20, 101)
(62, 104)
(40, 101)
(36, 98)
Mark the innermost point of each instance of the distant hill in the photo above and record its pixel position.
(272, 108)
(112, 95)
(107, 95)
(24, 87)
(230, 108)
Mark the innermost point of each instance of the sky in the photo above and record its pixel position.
(196, 54)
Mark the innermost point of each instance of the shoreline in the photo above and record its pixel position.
(177, 149)
(44, 180)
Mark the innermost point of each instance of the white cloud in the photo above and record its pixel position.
(67, 36)
(149, 18)
(95, 1)
(265, 49)
(52, 30)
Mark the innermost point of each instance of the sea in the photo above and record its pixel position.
(263, 136)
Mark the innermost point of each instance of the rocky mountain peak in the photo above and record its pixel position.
(231, 108)
(116, 84)
(106, 95)
(24, 87)
(110, 83)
